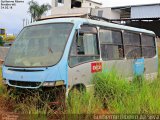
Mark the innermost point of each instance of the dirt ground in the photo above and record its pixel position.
(6, 110)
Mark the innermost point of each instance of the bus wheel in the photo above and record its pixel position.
(76, 91)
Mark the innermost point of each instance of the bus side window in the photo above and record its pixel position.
(84, 47)
(132, 45)
(111, 44)
(148, 46)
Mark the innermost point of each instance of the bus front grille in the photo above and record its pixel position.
(24, 84)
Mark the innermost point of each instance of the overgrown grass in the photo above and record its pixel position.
(121, 96)
(82, 104)
(3, 91)
(1, 86)
(143, 100)
(113, 93)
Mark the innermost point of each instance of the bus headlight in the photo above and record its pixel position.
(59, 83)
(55, 83)
(48, 84)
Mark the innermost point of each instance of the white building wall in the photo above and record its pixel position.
(107, 13)
(145, 11)
(62, 11)
(87, 7)
(61, 8)
(90, 4)
(66, 8)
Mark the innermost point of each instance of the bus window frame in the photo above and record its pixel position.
(123, 45)
(155, 45)
(132, 32)
(75, 38)
(140, 34)
(63, 49)
(117, 30)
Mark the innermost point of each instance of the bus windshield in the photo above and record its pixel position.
(39, 45)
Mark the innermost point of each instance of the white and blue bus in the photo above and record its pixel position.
(66, 52)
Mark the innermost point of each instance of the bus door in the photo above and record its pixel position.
(84, 54)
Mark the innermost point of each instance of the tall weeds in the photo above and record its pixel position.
(121, 96)
(113, 93)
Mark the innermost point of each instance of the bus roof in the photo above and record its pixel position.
(94, 22)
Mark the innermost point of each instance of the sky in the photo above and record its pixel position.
(12, 19)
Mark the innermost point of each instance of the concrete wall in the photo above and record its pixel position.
(66, 8)
(66, 5)
(62, 11)
(86, 8)
(3, 52)
(158, 42)
(90, 4)
(107, 13)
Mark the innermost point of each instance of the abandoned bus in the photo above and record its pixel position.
(68, 51)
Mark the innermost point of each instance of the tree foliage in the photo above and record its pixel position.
(37, 10)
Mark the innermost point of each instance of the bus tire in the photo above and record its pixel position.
(76, 90)
(80, 88)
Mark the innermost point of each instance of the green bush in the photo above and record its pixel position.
(1, 41)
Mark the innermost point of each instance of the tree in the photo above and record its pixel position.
(1, 41)
(37, 10)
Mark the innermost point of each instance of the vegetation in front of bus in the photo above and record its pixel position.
(123, 97)
(113, 95)
(81, 105)
(35, 108)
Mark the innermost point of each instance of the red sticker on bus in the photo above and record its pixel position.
(96, 67)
